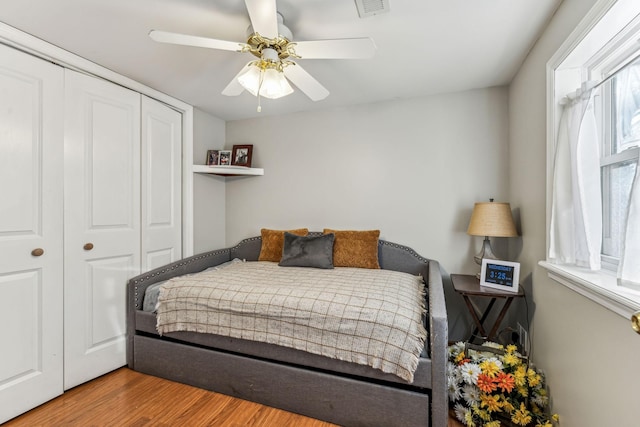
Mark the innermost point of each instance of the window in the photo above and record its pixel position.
(603, 52)
(619, 154)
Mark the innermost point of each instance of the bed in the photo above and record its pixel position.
(330, 389)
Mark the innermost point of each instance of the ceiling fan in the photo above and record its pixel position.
(272, 43)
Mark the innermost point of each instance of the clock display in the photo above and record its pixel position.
(499, 274)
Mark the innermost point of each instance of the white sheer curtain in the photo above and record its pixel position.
(629, 267)
(576, 211)
(628, 99)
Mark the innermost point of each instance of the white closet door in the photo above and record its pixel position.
(102, 222)
(31, 141)
(161, 184)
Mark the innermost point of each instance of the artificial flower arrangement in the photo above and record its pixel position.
(493, 386)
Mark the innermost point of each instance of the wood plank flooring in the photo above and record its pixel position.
(128, 398)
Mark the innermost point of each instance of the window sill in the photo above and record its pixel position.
(600, 287)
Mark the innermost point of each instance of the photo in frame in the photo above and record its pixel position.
(212, 157)
(242, 155)
(224, 158)
(498, 274)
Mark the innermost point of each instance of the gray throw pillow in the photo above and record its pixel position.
(306, 251)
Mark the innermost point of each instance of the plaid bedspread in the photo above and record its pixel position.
(369, 317)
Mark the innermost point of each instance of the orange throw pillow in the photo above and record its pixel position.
(355, 248)
(273, 242)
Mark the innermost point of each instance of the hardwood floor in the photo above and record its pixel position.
(128, 398)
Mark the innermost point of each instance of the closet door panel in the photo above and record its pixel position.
(111, 153)
(102, 222)
(104, 278)
(161, 184)
(31, 147)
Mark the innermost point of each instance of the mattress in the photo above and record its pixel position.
(422, 372)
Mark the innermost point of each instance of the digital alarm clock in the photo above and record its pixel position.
(498, 274)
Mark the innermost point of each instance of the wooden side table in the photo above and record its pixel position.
(469, 286)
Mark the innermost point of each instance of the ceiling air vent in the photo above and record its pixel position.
(372, 7)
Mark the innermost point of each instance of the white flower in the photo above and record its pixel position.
(540, 400)
(471, 394)
(453, 388)
(460, 412)
(451, 368)
(470, 372)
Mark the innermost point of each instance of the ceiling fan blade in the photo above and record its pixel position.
(305, 82)
(234, 88)
(360, 48)
(185, 39)
(263, 15)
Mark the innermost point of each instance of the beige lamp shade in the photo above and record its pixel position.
(492, 219)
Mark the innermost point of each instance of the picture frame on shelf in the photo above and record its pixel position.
(241, 155)
(212, 157)
(224, 158)
(498, 274)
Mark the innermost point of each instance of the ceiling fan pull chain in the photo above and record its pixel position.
(260, 88)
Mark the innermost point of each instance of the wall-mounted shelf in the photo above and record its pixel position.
(228, 170)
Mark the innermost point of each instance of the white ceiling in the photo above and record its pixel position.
(423, 46)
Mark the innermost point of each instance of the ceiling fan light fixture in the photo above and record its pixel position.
(266, 81)
(275, 84)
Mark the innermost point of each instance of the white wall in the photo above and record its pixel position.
(209, 208)
(588, 352)
(411, 168)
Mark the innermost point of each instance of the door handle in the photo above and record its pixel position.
(635, 321)
(87, 246)
(37, 252)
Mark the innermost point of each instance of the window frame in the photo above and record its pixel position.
(582, 58)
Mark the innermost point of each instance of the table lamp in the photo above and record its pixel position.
(490, 219)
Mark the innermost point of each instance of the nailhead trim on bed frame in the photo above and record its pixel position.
(189, 260)
(404, 248)
(173, 266)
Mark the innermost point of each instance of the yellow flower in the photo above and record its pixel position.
(493, 424)
(511, 359)
(459, 357)
(520, 376)
(484, 415)
(555, 417)
(489, 368)
(492, 403)
(511, 348)
(544, 424)
(507, 406)
(468, 418)
(534, 378)
(523, 391)
(521, 417)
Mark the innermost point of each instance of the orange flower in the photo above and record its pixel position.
(486, 383)
(506, 382)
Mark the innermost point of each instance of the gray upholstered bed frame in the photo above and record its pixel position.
(336, 391)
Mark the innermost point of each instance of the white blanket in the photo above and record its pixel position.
(369, 317)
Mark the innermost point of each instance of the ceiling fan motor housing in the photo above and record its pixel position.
(281, 44)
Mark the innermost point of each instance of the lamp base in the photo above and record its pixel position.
(485, 252)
